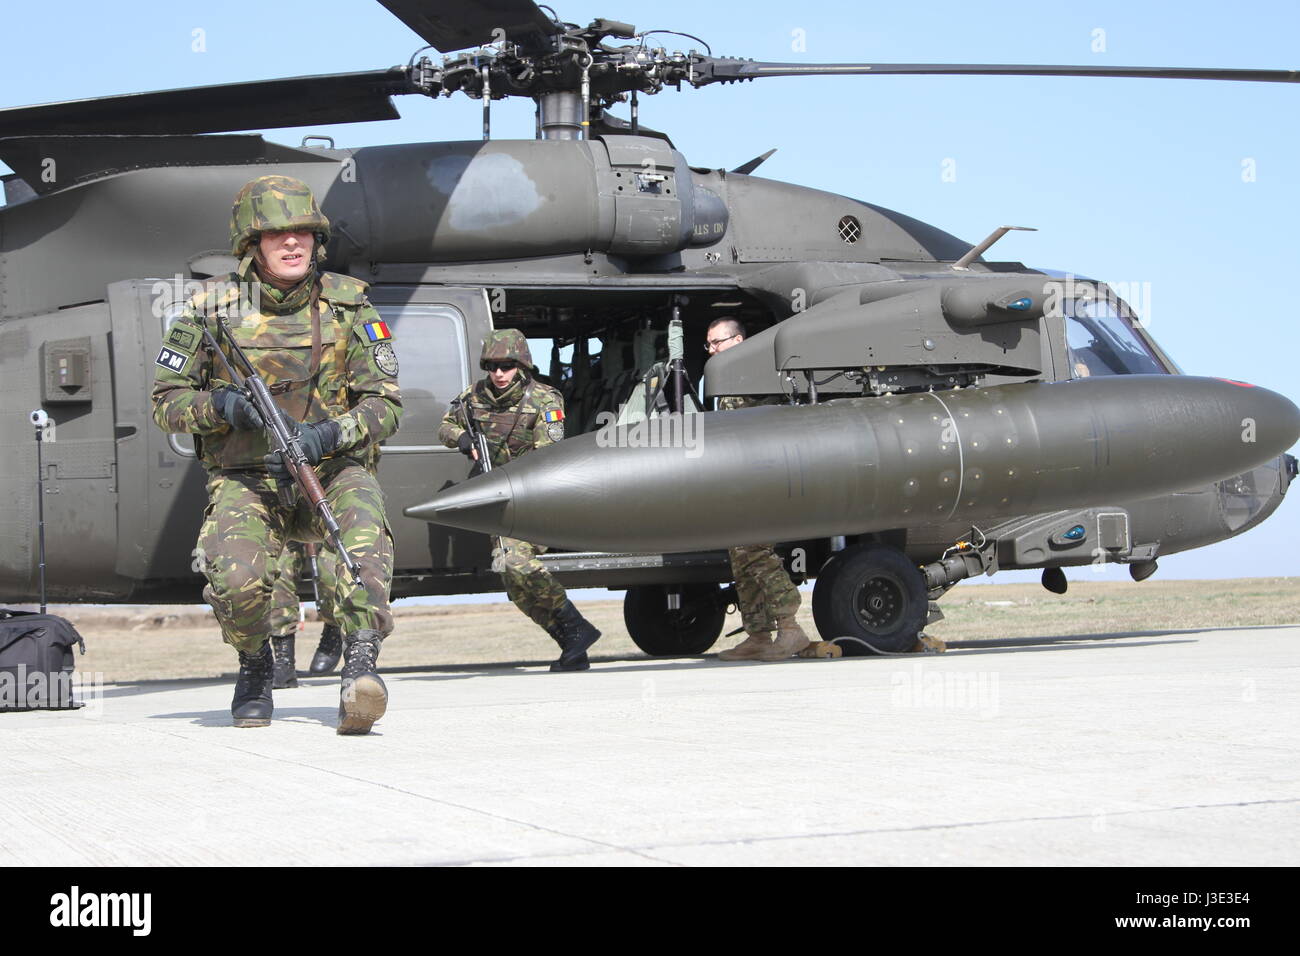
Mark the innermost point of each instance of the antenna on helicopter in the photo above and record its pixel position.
(975, 252)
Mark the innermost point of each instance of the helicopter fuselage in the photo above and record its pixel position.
(588, 246)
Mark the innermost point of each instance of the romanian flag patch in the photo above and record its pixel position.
(553, 415)
(377, 331)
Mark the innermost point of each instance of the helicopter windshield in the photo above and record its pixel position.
(1103, 341)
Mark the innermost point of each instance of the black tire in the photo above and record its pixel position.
(687, 632)
(822, 588)
(873, 593)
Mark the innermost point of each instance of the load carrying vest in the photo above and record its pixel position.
(305, 369)
(507, 423)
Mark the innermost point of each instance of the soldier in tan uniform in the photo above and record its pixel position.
(517, 413)
(767, 598)
(328, 360)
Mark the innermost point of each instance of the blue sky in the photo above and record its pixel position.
(1137, 182)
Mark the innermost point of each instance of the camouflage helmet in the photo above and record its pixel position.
(275, 204)
(505, 345)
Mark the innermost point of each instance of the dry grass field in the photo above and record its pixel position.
(132, 644)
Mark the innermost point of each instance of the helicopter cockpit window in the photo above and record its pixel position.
(1102, 341)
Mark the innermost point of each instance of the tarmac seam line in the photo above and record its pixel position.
(960, 826)
(447, 803)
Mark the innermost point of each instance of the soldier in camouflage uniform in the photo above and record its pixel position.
(293, 564)
(516, 413)
(330, 365)
(767, 598)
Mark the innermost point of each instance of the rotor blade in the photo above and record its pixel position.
(457, 24)
(708, 70)
(261, 104)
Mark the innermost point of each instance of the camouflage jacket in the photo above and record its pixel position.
(525, 416)
(355, 384)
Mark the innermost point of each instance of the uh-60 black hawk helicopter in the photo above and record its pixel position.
(943, 414)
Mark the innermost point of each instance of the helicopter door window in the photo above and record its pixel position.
(1102, 341)
(430, 343)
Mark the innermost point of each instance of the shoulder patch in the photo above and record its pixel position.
(371, 333)
(341, 289)
(386, 358)
(377, 331)
(171, 360)
(182, 339)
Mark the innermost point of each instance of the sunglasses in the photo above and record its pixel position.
(501, 366)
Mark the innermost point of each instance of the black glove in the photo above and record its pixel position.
(465, 444)
(318, 439)
(234, 408)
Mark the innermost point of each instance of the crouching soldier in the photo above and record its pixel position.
(516, 414)
(328, 362)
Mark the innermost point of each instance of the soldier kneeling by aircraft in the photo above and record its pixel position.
(325, 390)
(515, 413)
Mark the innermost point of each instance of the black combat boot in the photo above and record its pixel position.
(286, 672)
(252, 706)
(363, 697)
(328, 650)
(574, 633)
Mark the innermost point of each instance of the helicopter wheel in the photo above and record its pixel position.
(688, 631)
(873, 593)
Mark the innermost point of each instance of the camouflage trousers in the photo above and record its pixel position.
(245, 530)
(529, 585)
(293, 564)
(764, 592)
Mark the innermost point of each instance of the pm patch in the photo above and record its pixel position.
(182, 339)
(386, 358)
(171, 360)
(555, 431)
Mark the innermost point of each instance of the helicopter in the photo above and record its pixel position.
(597, 237)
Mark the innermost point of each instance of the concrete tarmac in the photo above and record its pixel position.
(1163, 748)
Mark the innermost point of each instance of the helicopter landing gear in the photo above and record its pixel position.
(873, 593)
(687, 630)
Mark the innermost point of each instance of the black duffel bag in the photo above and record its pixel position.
(36, 661)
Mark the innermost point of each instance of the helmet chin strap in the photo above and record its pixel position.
(270, 276)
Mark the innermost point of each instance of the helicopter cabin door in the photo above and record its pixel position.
(437, 335)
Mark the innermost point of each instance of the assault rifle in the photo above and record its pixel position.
(479, 440)
(283, 438)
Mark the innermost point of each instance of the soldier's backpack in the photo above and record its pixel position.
(36, 661)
